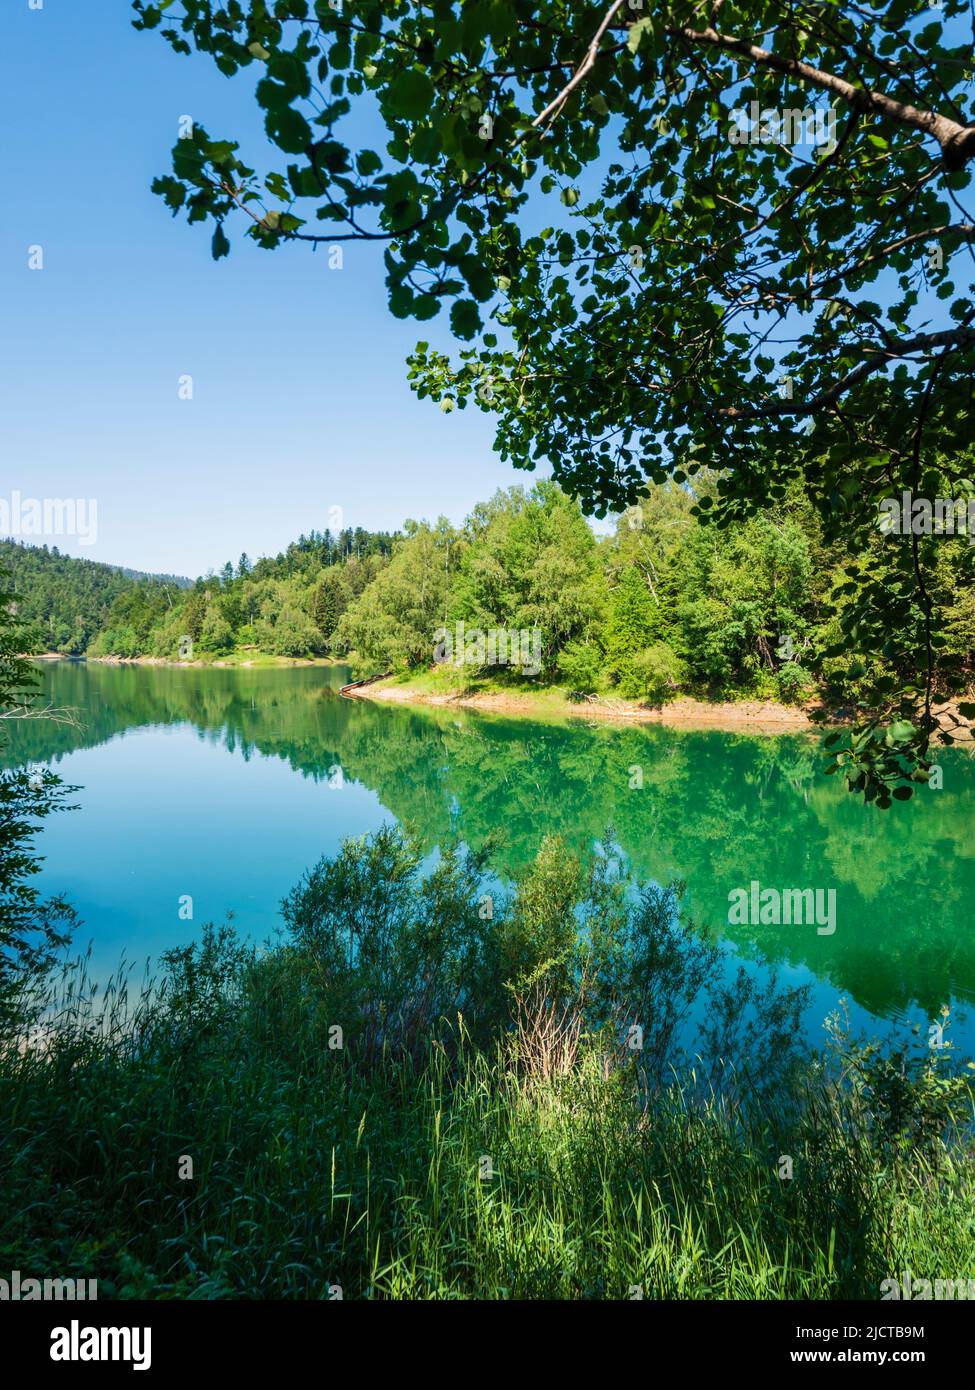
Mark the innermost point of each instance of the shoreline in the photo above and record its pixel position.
(260, 659)
(764, 718)
(743, 716)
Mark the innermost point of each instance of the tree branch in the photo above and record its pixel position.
(586, 66)
(957, 141)
(950, 338)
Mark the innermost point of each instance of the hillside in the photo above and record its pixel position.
(280, 604)
(66, 601)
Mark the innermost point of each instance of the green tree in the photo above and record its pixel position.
(216, 634)
(653, 674)
(394, 619)
(531, 562)
(634, 620)
(329, 602)
(32, 929)
(295, 633)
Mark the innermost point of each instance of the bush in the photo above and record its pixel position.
(580, 665)
(908, 1095)
(792, 680)
(654, 674)
(392, 956)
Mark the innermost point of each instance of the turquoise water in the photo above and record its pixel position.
(223, 786)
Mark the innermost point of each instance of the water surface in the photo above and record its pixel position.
(225, 785)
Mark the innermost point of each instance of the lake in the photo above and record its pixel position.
(224, 785)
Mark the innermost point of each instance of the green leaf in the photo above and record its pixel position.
(465, 320)
(219, 246)
(289, 130)
(411, 94)
(901, 731)
(637, 31)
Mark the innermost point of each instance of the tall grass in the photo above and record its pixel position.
(463, 1168)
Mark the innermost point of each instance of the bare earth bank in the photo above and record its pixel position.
(755, 716)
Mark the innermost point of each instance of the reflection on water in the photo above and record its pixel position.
(225, 784)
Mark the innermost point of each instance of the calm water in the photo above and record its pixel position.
(226, 785)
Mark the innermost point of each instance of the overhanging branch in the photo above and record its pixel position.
(957, 141)
(951, 338)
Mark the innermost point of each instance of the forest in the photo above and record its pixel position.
(657, 606)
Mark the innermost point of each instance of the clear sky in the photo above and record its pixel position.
(300, 396)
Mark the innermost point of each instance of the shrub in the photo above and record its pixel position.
(394, 953)
(580, 665)
(394, 957)
(653, 674)
(792, 680)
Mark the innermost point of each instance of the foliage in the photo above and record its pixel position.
(653, 674)
(393, 953)
(394, 619)
(66, 602)
(559, 175)
(531, 562)
(320, 1168)
(634, 621)
(580, 665)
(910, 1095)
(78, 607)
(32, 929)
(659, 607)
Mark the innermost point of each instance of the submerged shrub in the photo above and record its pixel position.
(909, 1096)
(395, 952)
(575, 950)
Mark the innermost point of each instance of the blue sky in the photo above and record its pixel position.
(300, 396)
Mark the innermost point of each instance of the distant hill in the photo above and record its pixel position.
(67, 600)
(178, 581)
(287, 604)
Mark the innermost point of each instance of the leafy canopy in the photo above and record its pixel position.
(758, 254)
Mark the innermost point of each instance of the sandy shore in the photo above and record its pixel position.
(751, 716)
(731, 716)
